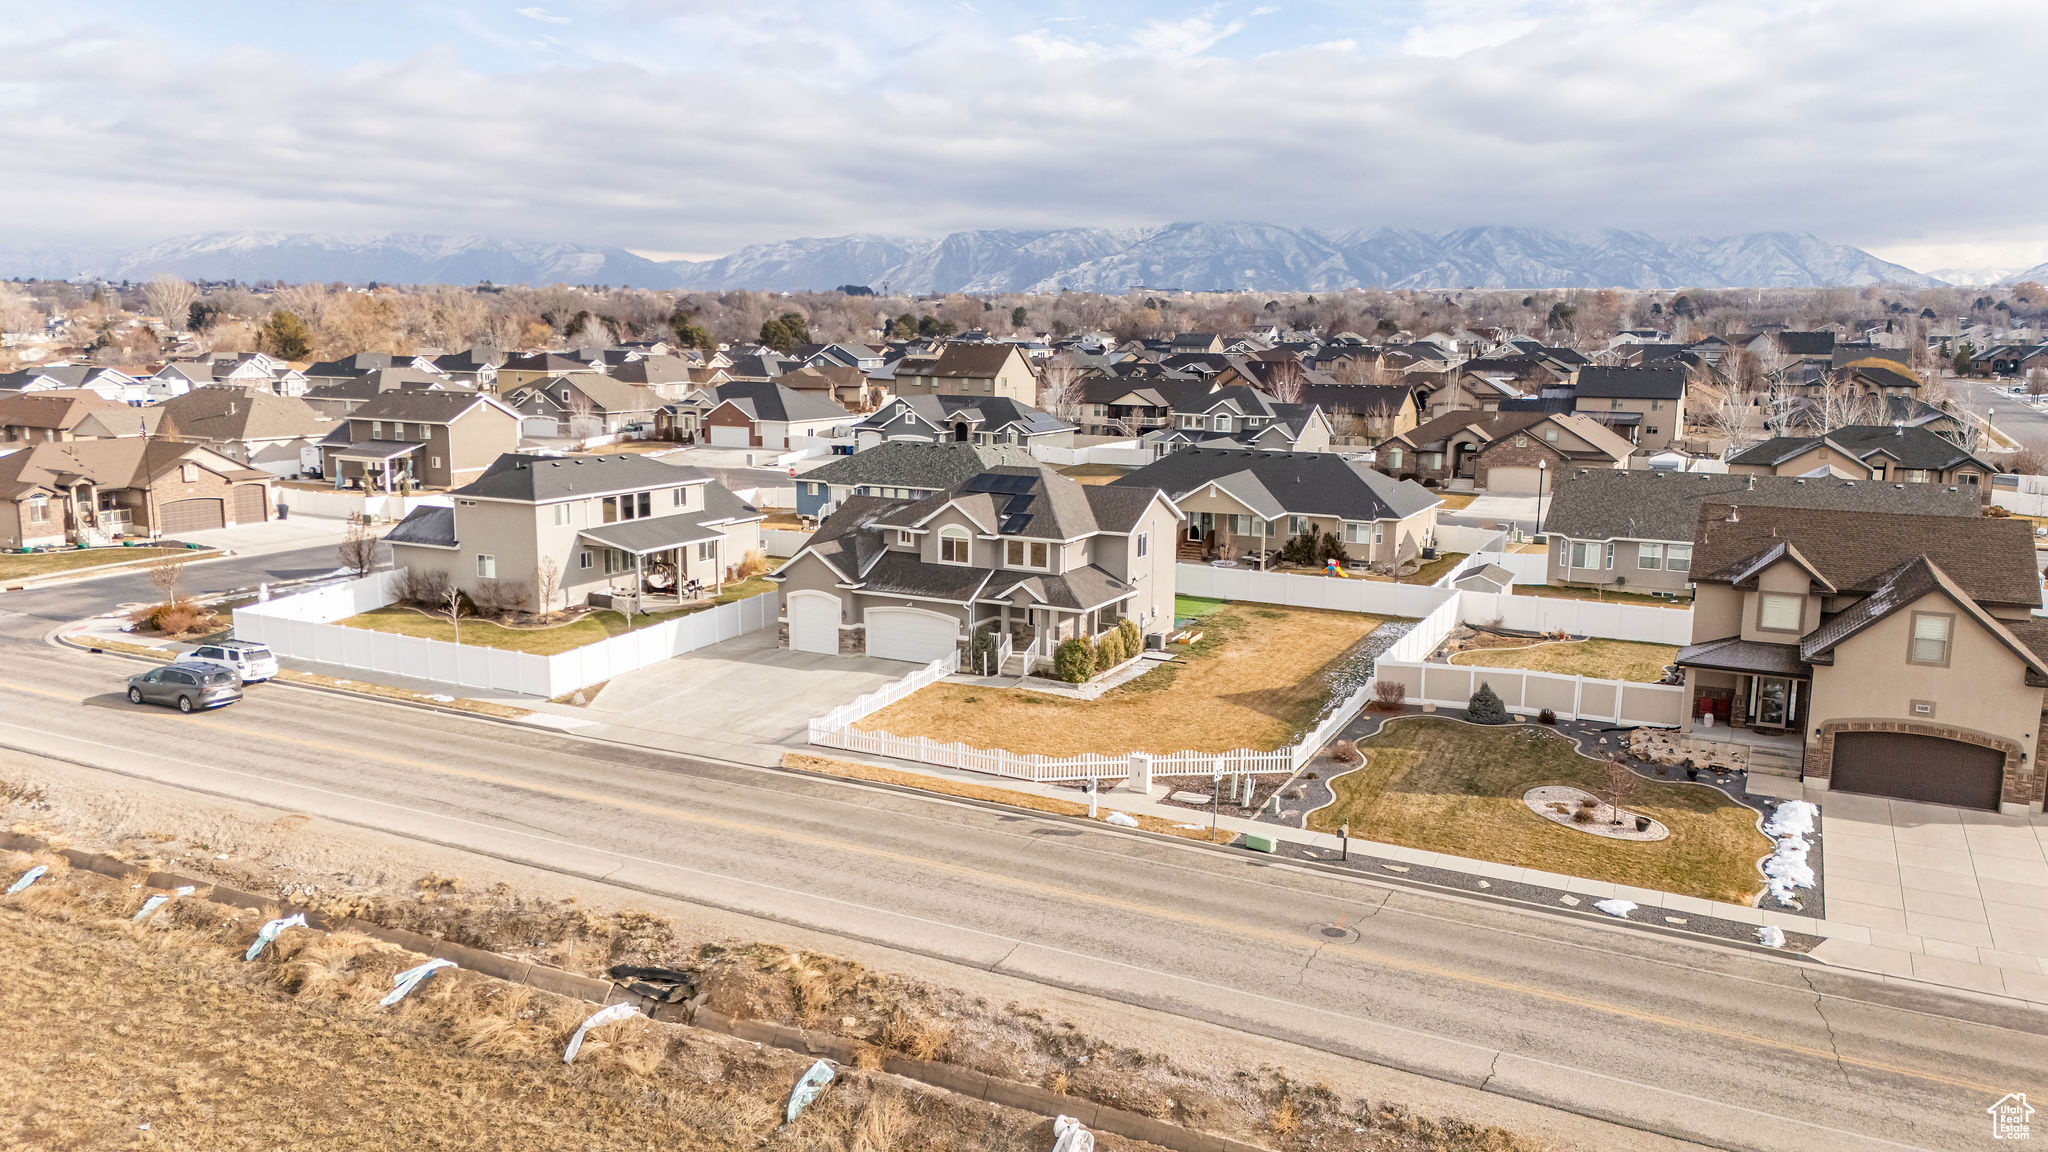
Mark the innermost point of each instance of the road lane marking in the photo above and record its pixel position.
(1051, 891)
(1016, 943)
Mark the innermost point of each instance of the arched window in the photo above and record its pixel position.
(953, 545)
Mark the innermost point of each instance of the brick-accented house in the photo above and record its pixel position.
(53, 415)
(1644, 405)
(89, 491)
(962, 369)
(1885, 654)
(1501, 452)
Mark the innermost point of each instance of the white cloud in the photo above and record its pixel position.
(1855, 119)
(542, 15)
(1453, 40)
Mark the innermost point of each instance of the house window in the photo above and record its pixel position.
(1585, 554)
(1144, 545)
(1656, 406)
(1650, 556)
(611, 510)
(583, 560)
(561, 515)
(1223, 423)
(1779, 611)
(904, 536)
(486, 567)
(1393, 457)
(1968, 478)
(1931, 638)
(645, 501)
(1433, 461)
(1550, 434)
(707, 550)
(1355, 533)
(39, 507)
(683, 497)
(189, 473)
(1678, 558)
(433, 461)
(1521, 441)
(1240, 525)
(953, 545)
(376, 429)
(1917, 475)
(1297, 525)
(1027, 554)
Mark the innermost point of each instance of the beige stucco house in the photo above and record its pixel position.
(969, 370)
(1887, 654)
(1022, 550)
(616, 525)
(1890, 452)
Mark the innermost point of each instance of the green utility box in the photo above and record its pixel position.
(1258, 843)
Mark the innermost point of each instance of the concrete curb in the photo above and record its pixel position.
(944, 1077)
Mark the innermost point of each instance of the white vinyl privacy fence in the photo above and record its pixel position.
(1528, 693)
(303, 627)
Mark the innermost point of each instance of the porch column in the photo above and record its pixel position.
(639, 577)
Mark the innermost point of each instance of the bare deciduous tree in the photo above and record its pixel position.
(167, 572)
(1838, 402)
(358, 550)
(547, 585)
(451, 603)
(1285, 382)
(1360, 372)
(1059, 388)
(1619, 785)
(170, 300)
(584, 422)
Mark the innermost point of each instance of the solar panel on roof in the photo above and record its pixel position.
(1012, 525)
(1017, 505)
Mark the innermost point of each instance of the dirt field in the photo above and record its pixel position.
(163, 1024)
(1255, 679)
(1604, 659)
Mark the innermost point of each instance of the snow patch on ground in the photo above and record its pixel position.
(1619, 908)
(1793, 818)
(1770, 936)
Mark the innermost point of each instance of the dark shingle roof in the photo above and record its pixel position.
(1607, 503)
(434, 527)
(516, 476)
(1910, 447)
(919, 463)
(1903, 586)
(1658, 382)
(421, 406)
(768, 400)
(1300, 483)
(1992, 560)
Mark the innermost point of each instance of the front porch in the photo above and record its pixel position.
(1751, 695)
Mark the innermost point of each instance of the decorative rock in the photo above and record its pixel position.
(1540, 801)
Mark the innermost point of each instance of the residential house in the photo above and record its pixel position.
(1501, 452)
(1867, 452)
(901, 470)
(842, 384)
(1023, 550)
(118, 420)
(1632, 530)
(978, 370)
(1197, 343)
(111, 384)
(421, 439)
(1364, 414)
(477, 368)
(533, 367)
(279, 435)
(581, 405)
(28, 417)
(90, 491)
(1886, 654)
(1645, 406)
(1239, 502)
(618, 524)
(337, 399)
(967, 419)
(764, 414)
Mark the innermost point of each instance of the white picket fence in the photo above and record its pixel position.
(1528, 692)
(302, 627)
(783, 541)
(1467, 539)
(1642, 622)
(1528, 567)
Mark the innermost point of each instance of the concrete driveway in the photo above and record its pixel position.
(746, 699)
(1947, 893)
(1500, 510)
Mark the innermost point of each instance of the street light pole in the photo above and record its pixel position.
(1542, 479)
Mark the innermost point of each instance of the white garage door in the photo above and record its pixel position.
(1513, 481)
(730, 436)
(911, 634)
(546, 427)
(814, 622)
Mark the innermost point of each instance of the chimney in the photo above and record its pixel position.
(1734, 514)
(1751, 486)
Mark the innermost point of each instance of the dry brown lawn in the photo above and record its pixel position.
(1443, 785)
(1258, 676)
(1605, 659)
(35, 565)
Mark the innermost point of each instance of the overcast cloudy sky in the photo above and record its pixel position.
(697, 126)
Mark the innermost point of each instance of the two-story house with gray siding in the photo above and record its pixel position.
(1022, 550)
(606, 523)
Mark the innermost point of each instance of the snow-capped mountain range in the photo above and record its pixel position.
(1196, 256)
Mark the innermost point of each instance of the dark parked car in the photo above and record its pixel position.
(187, 686)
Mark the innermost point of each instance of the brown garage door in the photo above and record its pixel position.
(252, 505)
(1918, 768)
(191, 516)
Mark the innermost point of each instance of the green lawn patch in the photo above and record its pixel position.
(30, 565)
(587, 629)
(1194, 607)
(1443, 785)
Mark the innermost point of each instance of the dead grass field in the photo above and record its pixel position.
(1447, 786)
(545, 641)
(1258, 676)
(1605, 659)
(35, 565)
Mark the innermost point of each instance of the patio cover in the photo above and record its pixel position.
(660, 534)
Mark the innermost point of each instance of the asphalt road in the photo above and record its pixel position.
(1724, 1047)
(2015, 417)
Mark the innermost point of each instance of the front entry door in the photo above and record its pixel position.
(1774, 702)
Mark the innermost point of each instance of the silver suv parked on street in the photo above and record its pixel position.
(250, 660)
(187, 686)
